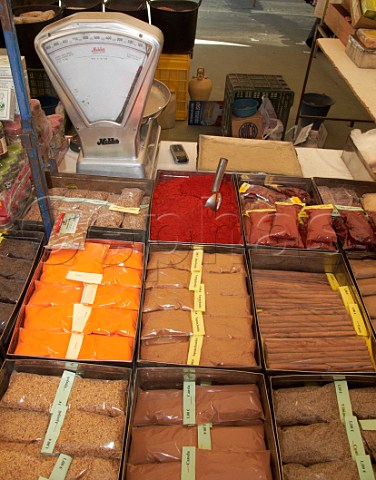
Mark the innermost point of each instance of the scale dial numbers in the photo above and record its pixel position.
(99, 70)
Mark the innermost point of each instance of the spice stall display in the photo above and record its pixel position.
(284, 212)
(83, 304)
(216, 423)
(309, 409)
(197, 308)
(88, 404)
(355, 212)
(309, 314)
(178, 212)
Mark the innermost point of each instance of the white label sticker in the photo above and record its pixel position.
(117, 208)
(354, 436)
(343, 399)
(188, 463)
(85, 277)
(189, 403)
(81, 314)
(75, 344)
(61, 467)
(53, 431)
(364, 465)
(63, 390)
(69, 223)
(89, 293)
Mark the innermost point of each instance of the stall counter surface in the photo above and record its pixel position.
(314, 162)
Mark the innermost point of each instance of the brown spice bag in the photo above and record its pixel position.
(305, 405)
(214, 403)
(344, 470)
(317, 443)
(234, 352)
(165, 325)
(209, 465)
(156, 444)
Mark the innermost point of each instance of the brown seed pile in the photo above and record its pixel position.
(92, 432)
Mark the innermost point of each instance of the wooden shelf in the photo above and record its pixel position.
(362, 81)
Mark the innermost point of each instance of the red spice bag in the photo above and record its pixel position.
(320, 233)
(358, 226)
(285, 224)
(260, 223)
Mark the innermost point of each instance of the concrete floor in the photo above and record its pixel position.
(270, 39)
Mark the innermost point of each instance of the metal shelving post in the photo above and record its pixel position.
(29, 137)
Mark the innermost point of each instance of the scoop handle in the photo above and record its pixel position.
(219, 174)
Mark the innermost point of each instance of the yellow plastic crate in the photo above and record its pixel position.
(173, 71)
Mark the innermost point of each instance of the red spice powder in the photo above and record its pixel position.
(179, 215)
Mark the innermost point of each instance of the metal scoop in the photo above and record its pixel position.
(215, 200)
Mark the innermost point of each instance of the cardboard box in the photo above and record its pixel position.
(358, 20)
(338, 19)
(247, 127)
(205, 113)
(247, 155)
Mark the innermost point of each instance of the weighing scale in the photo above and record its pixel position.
(102, 67)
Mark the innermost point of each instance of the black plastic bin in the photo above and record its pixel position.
(134, 8)
(26, 32)
(244, 85)
(178, 21)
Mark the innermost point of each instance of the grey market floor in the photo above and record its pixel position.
(233, 36)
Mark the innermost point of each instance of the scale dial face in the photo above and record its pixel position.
(100, 70)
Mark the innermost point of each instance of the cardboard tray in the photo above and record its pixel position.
(247, 155)
(292, 381)
(95, 183)
(306, 184)
(55, 368)
(166, 247)
(21, 317)
(168, 378)
(314, 262)
(164, 174)
(37, 238)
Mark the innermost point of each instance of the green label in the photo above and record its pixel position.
(343, 399)
(61, 467)
(368, 424)
(354, 436)
(64, 389)
(189, 375)
(189, 403)
(204, 436)
(53, 431)
(364, 465)
(188, 463)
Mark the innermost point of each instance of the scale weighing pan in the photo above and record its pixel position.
(102, 66)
